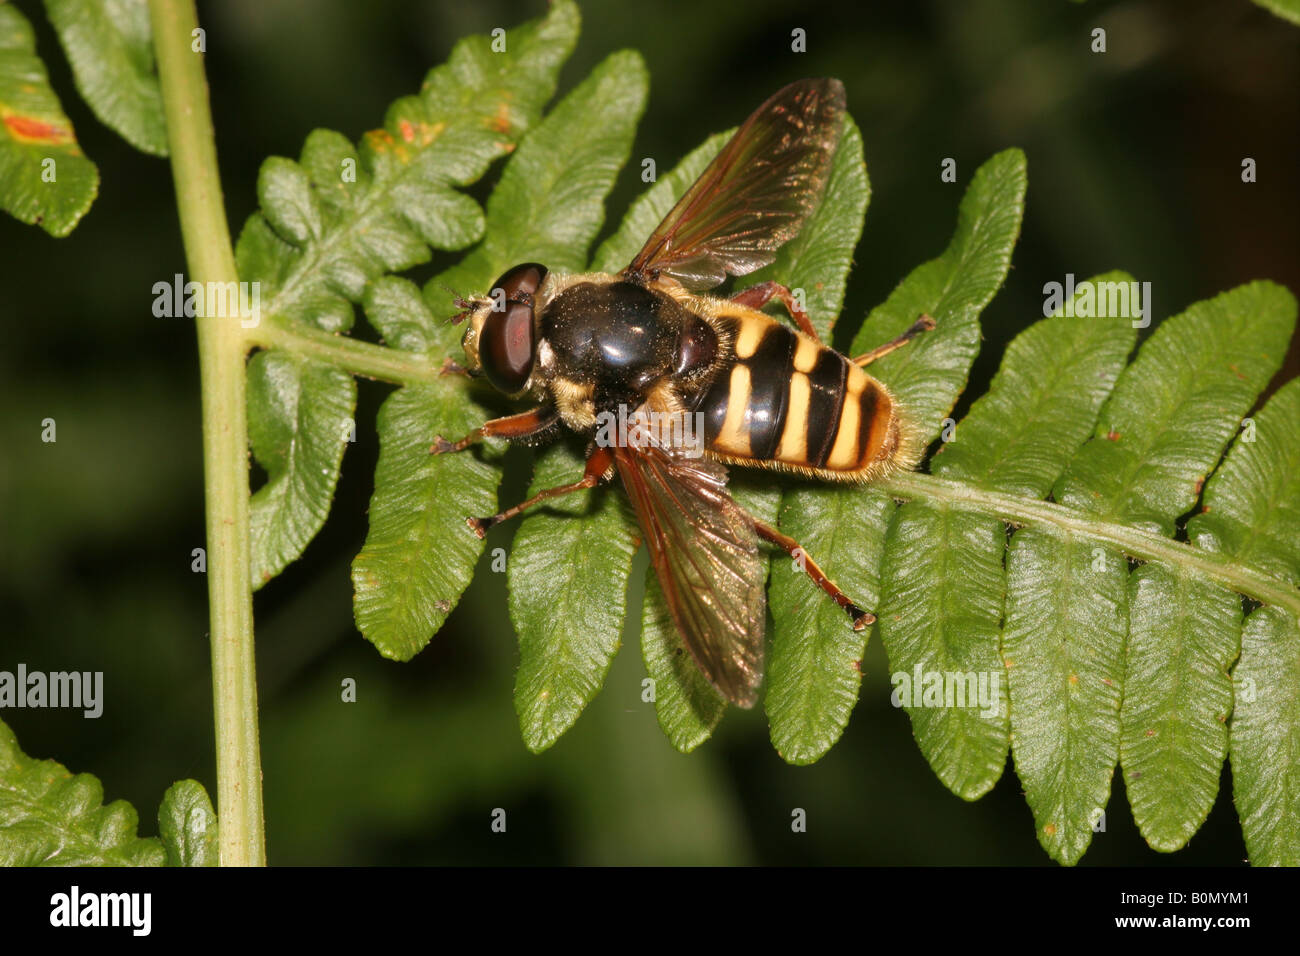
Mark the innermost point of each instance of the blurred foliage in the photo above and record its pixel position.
(1287, 9)
(1136, 155)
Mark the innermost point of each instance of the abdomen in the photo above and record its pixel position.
(786, 401)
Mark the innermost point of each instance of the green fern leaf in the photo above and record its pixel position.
(110, 46)
(567, 575)
(187, 825)
(419, 555)
(1017, 439)
(340, 218)
(299, 421)
(1252, 514)
(45, 179)
(50, 817)
(1159, 434)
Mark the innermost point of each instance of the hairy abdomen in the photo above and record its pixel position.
(788, 402)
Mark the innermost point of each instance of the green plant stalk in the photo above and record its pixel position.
(222, 352)
(351, 355)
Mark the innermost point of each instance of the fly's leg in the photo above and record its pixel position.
(861, 619)
(512, 426)
(923, 324)
(757, 296)
(600, 466)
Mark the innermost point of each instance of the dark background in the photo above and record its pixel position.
(1134, 163)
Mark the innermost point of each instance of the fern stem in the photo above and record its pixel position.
(1134, 542)
(352, 355)
(222, 351)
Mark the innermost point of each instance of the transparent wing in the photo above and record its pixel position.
(704, 549)
(755, 195)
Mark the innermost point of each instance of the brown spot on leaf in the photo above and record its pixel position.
(443, 606)
(499, 122)
(1050, 829)
(1112, 435)
(1151, 732)
(407, 130)
(382, 141)
(1074, 678)
(28, 130)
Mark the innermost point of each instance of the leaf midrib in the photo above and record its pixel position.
(1133, 542)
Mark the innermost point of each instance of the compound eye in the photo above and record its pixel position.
(506, 347)
(506, 343)
(521, 283)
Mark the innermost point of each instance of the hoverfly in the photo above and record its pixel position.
(651, 340)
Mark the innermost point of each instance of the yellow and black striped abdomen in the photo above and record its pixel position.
(786, 400)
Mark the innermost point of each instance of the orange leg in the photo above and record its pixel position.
(923, 324)
(600, 465)
(512, 426)
(790, 546)
(757, 296)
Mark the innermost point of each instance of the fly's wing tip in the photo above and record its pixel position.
(742, 688)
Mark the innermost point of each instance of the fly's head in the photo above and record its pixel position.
(501, 341)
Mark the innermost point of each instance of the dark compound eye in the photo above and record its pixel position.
(521, 283)
(506, 342)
